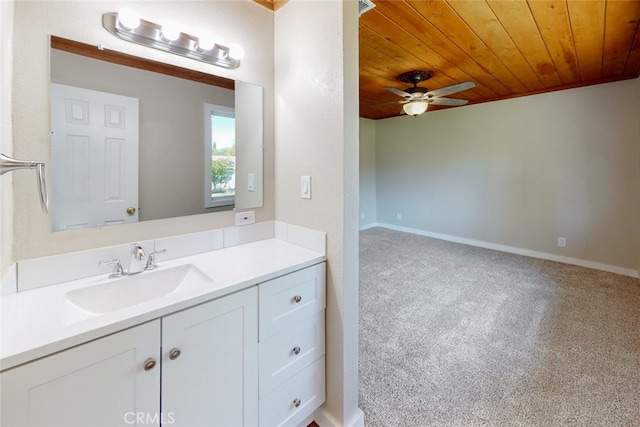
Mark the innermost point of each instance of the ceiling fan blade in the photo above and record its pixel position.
(452, 89)
(447, 101)
(385, 103)
(398, 92)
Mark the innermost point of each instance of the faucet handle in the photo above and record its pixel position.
(151, 260)
(118, 271)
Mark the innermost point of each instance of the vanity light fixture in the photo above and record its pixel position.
(126, 25)
(415, 108)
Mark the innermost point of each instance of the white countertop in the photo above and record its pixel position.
(36, 324)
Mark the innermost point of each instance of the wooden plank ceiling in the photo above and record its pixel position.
(508, 48)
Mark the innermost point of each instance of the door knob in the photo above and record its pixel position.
(297, 299)
(131, 210)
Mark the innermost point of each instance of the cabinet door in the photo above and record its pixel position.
(101, 383)
(213, 380)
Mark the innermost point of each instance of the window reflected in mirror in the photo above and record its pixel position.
(220, 152)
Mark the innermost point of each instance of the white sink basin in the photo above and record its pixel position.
(136, 289)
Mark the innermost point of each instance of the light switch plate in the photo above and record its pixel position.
(305, 185)
(251, 186)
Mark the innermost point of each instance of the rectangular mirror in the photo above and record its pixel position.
(128, 137)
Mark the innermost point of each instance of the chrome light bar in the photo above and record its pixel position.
(150, 34)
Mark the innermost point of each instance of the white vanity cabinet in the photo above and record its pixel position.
(101, 383)
(249, 358)
(291, 335)
(195, 367)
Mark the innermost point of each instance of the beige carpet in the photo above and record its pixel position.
(454, 335)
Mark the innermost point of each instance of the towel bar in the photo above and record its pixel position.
(8, 164)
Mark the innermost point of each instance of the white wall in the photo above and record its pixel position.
(368, 204)
(6, 141)
(316, 111)
(243, 22)
(522, 172)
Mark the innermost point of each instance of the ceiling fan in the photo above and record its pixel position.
(417, 99)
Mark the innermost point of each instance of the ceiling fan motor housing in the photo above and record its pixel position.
(416, 89)
(415, 76)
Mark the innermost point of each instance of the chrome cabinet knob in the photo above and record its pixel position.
(297, 299)
(149, 364)
(174, 353)
(296, 350)
(296, 402)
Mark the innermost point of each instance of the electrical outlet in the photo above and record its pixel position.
(362, 215)
(562, 242)
(245, 218)
(399, 216)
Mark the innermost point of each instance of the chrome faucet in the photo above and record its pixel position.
(118, 271)
(136, 263)
(151, 260)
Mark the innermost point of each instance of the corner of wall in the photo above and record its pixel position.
(6, 136)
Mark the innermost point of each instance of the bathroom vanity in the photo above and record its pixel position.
(239, 341)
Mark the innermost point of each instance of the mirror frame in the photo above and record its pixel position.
(120, 58)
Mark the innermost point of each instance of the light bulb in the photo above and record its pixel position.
(236, 52)
(170, 32)
(128, 18)
(415, 108)
(206, 42)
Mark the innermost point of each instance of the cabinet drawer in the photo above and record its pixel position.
(290, 351)
(287, 300)
(296, 399)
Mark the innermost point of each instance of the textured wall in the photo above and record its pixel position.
(316, 132)
(521, 172)
(242, 22)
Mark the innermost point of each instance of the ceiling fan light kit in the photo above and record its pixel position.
(415, 108)
(417, 99)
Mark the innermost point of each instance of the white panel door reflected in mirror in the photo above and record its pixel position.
(94, 158)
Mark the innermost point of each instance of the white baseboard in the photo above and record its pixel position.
(370, 225)
(325, 419)
(513, 250)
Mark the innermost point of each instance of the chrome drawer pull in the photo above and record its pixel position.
(174, 353)
(296, 402)
(149, 364)
(296, 350)
(297, 299)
